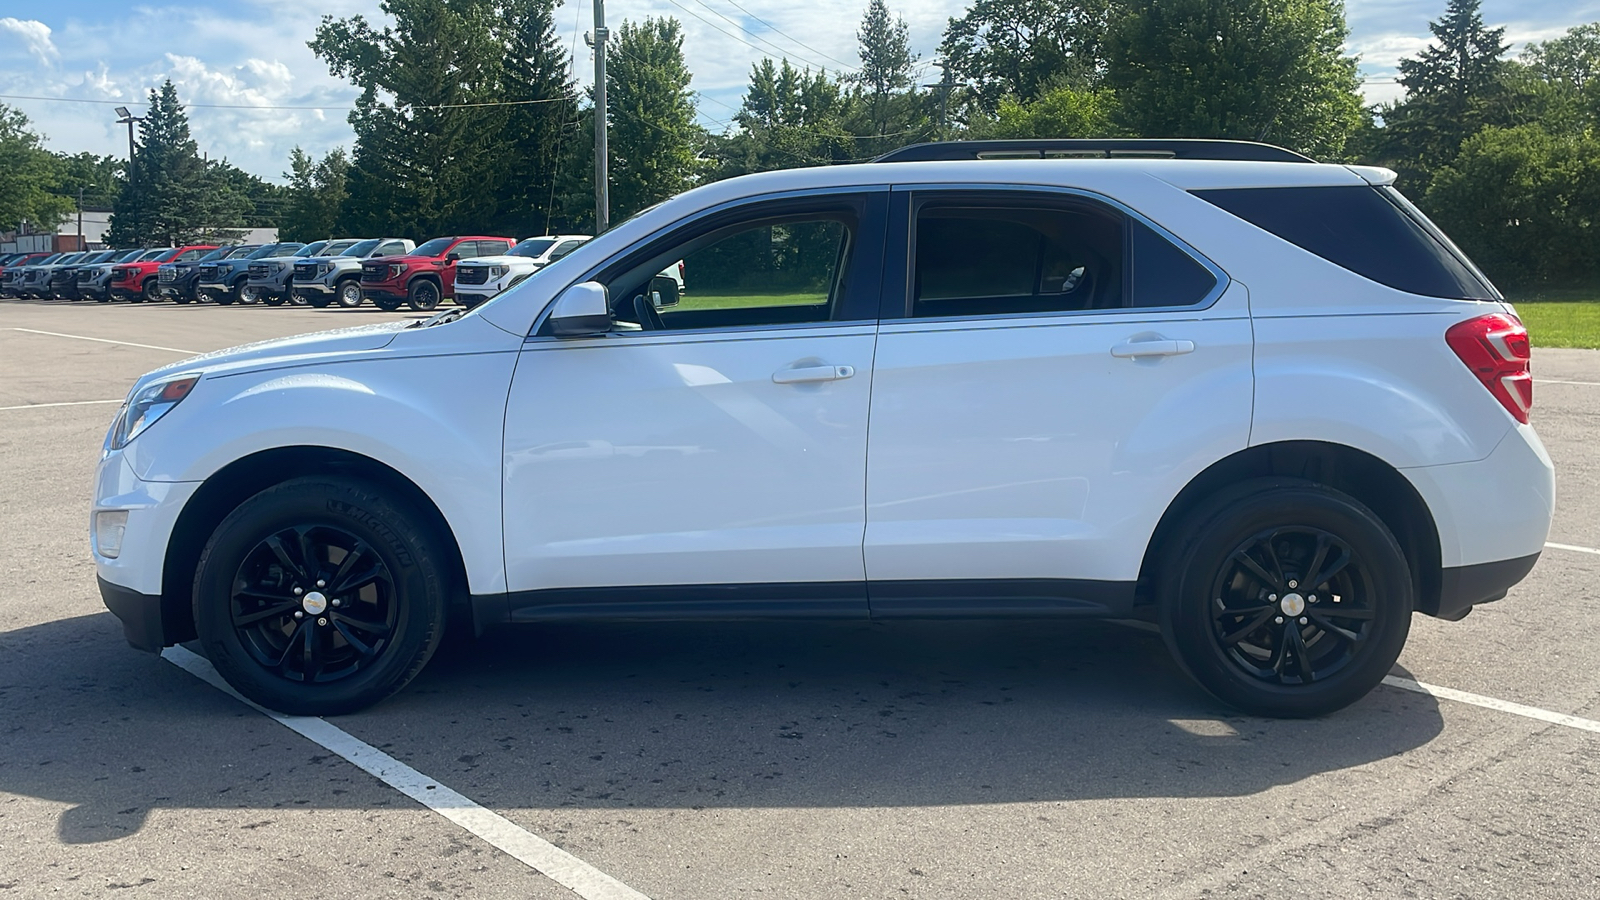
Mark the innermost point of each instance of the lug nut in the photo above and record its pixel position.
(298, 592)
(325, 621)
(1277, 621)
(1302, 620)
(337, 602)
(321, 583)
(1272, 597)
(299, 614)
(1293, 583)
(1312, 598)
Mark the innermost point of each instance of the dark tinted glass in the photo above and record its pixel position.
(1358, 228)
(1163, 275)
(974, 261)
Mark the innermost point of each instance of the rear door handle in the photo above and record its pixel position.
(806, 374)
(1141, 349)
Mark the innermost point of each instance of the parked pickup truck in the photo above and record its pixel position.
(336, 277)
(64, 280)
(479, 279)
(421, 277)
(269, 280)
(224, 280)
(94, 281)
(11, 272)
(36, 278)
(176, 280)
(138, 281)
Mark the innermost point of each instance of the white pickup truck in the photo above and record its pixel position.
(480, 279)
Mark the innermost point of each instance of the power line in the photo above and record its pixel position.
(847, 66)
(758, 37)
(560, 99)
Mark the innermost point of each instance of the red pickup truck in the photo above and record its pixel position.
(137, 281)
(427, 274)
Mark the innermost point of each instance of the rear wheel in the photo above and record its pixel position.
(423, 295)
(320, 596)
(1285, 598)
(349, 293)
(270, 298)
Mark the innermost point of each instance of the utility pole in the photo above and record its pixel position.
(944, 85)
(82, 244)
(138, 217)
(602, 178)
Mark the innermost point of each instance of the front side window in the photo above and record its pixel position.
(435, 247)
(563, 249)
(775, 271)
(997, 255)
(392, 248)
(193, 254)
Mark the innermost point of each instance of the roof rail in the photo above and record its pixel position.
(1094, 148)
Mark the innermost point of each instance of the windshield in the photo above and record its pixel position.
(533, 247)
(219, 253)
(167, 255)
(102, 256)
(312, 249)
(154, 254)
(263, 250)
(49, 259)
(435, 247)
(334, 248)
(243, 252)
(362, 248)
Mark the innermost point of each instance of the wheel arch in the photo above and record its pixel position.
(247, 476)
(1375, 483)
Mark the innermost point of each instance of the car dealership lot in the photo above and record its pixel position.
(786, 759)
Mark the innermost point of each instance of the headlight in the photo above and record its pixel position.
(148, 405)
(396, 270)
(324, 268)
(498, 271)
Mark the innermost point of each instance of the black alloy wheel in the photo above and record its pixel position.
(151, 291)
(423, 295)
(387, 304)
(270, 298)
(320, 596)
(1285, 598)
(348, 293)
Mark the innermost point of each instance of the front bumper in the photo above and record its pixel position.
(383, 290)
(124, 292)
(141, 616)
(310, 288)
(131, 583)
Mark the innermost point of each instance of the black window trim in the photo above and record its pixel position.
(760, 206)
(902, 223)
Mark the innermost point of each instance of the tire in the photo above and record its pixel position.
(348, 293)
(319, 301)
(271, 299)
(1251, 634)
(350, 647)
(150, 291)
(235, 294)
(423, 295)
(180, 297)
(387, 304)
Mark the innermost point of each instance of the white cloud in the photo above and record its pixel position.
(35, 36)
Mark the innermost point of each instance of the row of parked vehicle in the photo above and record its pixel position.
(390, 272)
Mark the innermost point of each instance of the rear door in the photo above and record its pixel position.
(1050, 371)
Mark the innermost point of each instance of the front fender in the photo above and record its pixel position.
(437, 420)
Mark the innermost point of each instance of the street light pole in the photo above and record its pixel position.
(129, 118)
(602, 184)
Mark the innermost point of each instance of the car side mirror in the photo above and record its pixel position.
(453, 256)
(663, 291)
(581, 310)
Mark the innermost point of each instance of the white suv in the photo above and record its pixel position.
(480, 279)
(1258, 400)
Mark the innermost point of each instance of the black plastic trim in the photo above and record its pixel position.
(1136, 148)
(140, 615)
(1462, 587)
(993, 598)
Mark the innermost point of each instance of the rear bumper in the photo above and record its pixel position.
(1462, 587)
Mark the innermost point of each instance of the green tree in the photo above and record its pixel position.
(1262, 70)
(654, 141)
(173, 197)
(1521, 202)
(100, 177)
(1059, 112)
(30, 177)
(1454, 88)
(885, 76)
(537, 76)
(427, 158)
(315, 196)
(1024, 48)
(790, 117)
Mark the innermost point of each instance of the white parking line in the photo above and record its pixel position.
(1560, 381)
(66, 403)
(81, 337)
(1516, 709)
(531, 850)
(1574, 548)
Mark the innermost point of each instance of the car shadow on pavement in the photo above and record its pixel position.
(679, 716)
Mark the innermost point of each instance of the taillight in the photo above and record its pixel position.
(1495, 348)
(680, 270)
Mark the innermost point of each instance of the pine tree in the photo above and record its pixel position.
(1465, 60)
(654, 140)
(314, 197)
(536, 74)
(886, 61)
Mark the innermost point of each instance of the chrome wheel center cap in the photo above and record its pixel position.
(1291, 604)
(314, 603)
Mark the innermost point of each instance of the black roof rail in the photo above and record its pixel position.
(1094, 148)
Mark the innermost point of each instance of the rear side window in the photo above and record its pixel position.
(1358, 228)
(1012, 256)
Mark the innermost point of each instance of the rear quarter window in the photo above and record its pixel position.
(1360, 229)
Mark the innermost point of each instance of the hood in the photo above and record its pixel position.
(502, 261)
(284, 351)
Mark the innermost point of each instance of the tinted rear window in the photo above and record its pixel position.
(1358, 228)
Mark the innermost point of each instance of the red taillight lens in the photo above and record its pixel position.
(680, 269)
(1495, 348)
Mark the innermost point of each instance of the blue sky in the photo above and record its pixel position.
(252, 54)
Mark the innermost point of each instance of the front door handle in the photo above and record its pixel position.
(1141, 349)
(806, 374)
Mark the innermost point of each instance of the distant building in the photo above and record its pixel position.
(96, 222)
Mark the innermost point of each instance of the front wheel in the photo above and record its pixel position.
(423, 295)
(387, 304)
(319, 596)
(1285, 598)
(269, 297)
(349, 293)
(151, 291)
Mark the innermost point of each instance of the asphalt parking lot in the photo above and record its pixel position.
(956, 760)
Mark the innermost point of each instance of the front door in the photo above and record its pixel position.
(1053, 374)
(707, 456)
